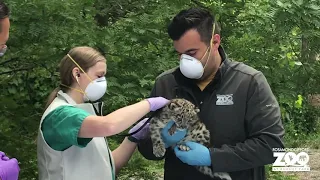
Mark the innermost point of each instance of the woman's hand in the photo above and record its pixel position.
(157, 103)
(142, 134)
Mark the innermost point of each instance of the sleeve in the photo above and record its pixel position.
(61, 127)
(265, 132)
(145, 146)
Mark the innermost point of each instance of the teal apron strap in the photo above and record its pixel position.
(111, 164)
(112, 172)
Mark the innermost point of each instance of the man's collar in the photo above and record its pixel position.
(184, 81)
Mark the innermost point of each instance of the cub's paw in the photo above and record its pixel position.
(183, 147)
(159, 151)
(222, 175)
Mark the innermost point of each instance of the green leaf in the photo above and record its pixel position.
(298, 102)
(12, 90)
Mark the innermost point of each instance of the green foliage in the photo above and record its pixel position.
(278, 37)
(274, 175)
(303, 120)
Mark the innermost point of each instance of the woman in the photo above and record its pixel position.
(71, 143)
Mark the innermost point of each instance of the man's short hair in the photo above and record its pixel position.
(4, 10)
(194, 18)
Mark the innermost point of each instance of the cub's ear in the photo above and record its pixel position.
(197, 110)
(172, 105)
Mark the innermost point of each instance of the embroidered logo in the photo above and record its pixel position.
(226, 99)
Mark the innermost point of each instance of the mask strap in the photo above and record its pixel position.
(213, 29)
(81, 91)
(79, 67)
(207, 58)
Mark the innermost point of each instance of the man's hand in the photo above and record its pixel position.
(176, 137)
(198, 155)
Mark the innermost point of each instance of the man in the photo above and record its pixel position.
(9, 168)
(236, 104)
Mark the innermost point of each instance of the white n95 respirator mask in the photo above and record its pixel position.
(96, 89)
(191, 67)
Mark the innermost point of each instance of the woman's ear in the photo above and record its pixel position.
(76, 73)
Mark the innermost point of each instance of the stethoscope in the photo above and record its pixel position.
(139, 129)
(144, 124)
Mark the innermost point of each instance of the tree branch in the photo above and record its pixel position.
(15, 70)
(5, 62)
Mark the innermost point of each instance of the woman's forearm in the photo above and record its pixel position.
(115, 122)
(123, 153)
(123, 118)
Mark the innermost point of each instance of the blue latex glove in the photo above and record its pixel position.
(176, 137)
(198, 155)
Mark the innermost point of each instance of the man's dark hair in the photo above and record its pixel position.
(4, 10)
(193, 18)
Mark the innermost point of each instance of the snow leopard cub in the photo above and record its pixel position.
(185, 116)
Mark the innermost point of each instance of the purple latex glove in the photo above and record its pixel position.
(3, 156)
(9, 168)
(157, 103)
(143, 133)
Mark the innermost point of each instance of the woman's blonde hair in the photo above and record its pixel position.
(85, 57)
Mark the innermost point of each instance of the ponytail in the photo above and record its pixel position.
(52, 96)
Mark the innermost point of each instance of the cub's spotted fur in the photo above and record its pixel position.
(185, 116)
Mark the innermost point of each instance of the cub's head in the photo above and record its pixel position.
(182, 112)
